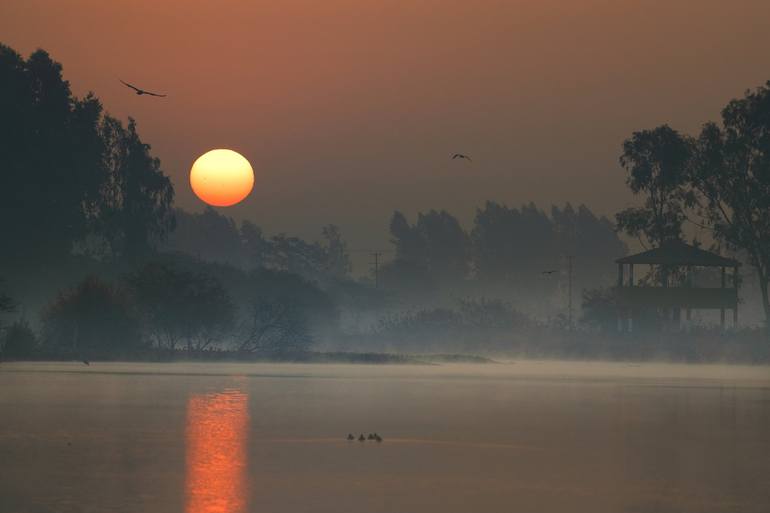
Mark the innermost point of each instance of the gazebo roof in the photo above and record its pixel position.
(679, 253)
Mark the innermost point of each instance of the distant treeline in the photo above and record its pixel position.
(512, 253)
(507, 250)
(98, 263)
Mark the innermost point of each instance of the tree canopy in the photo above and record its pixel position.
(93, 318)
(657, 162)
(730, 173)
(70, 172)
(719, 180)
(181, 306)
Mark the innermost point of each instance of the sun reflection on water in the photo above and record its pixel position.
(216, 452)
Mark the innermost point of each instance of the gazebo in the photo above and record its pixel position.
(634, 297)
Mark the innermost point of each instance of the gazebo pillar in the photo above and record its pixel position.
(689, 282)
(722, 309)
(630, 313)
(620, 310)
(735, 285)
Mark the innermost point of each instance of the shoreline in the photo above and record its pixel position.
(331, 357)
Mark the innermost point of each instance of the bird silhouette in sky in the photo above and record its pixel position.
(141, 91)
(549, 272)
(461, 156)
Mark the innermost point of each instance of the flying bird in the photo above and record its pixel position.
(550, 272)
(86, 362)
(141, 91)
(461, 156)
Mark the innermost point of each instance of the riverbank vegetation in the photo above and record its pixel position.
(103, 265)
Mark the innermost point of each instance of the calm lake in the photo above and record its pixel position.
(512, 437)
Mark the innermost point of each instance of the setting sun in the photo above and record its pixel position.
(221, 177)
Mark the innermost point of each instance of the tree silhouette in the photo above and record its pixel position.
(446, 246)
(19, 340)
(592, 241)
(214, 237)
(436, 245)
(256, 247)
(69, 172)
(338, 265)
(731, 174)
(600, 309)
(179, 306)
(274, 327)
(49, 154)
(93, 319)
(506, 252)
(408, 242)
(656, 161)
(134, 211)
(296, 256)
(511, 247)
(6, 303)
(315, 261)
(207, 235)
(282, 312)
(408, 278)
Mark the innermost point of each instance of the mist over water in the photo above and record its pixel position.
(519, 436)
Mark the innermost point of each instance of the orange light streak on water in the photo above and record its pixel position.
(216, 453)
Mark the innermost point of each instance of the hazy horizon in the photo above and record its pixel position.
(424, 294)
(348, 111)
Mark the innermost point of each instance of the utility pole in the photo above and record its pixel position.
(569, 292)
(376, 265)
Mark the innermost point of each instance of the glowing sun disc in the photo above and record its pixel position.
(221, 177)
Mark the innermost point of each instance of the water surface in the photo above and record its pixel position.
(525, 436)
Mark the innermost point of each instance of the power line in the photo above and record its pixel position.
(376, 264)
(370, 250)
(569, 292)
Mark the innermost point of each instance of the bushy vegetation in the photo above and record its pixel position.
(481, 326)
(19, 341)
(90, 320)
(177, 306)
(102, 265)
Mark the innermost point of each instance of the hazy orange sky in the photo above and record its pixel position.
(350, 109)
